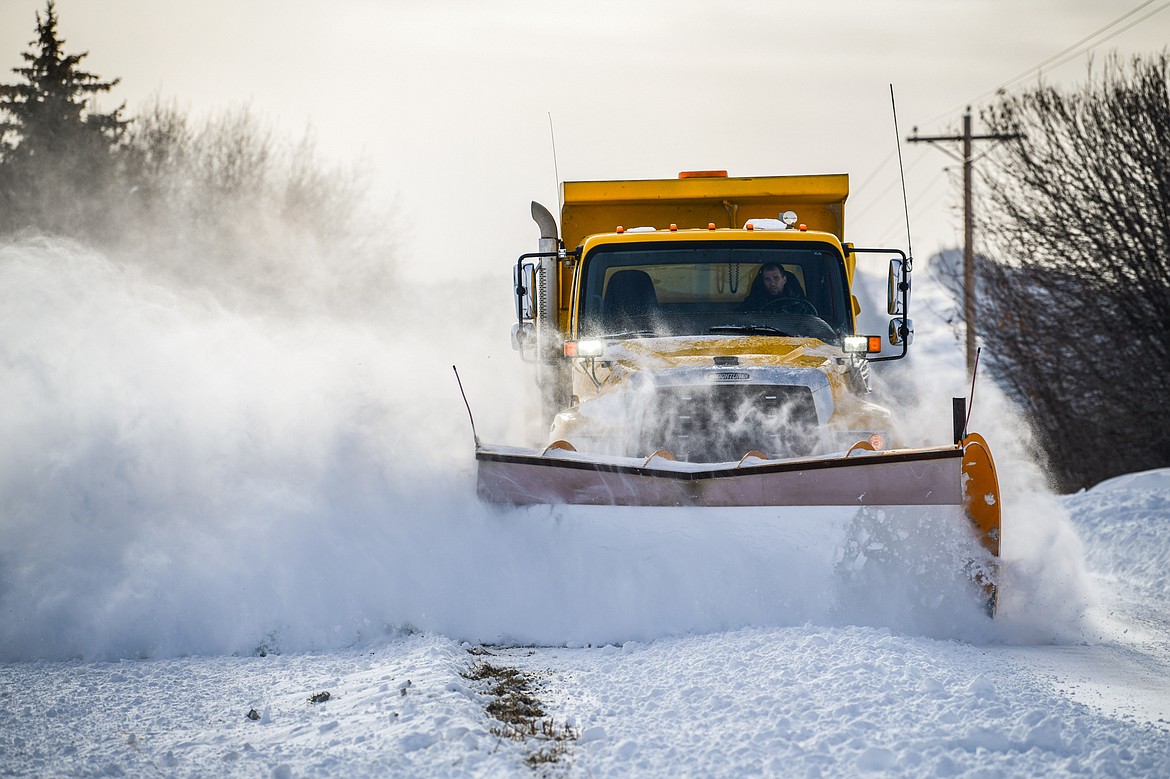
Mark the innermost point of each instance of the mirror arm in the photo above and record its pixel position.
(904, 288)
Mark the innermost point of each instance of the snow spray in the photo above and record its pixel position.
(182, 475)
(1043, 585)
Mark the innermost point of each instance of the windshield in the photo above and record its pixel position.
(756, 288)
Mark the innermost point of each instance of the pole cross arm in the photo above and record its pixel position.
(991, 137)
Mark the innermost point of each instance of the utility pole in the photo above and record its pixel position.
(968, 221)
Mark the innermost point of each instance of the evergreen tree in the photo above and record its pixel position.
(58, 156)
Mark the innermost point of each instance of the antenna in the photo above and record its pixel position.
(961, 410)
(902, 173)
(971, 407)
(553, 135)
(469, 416)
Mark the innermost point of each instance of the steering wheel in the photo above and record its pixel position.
(790, 306)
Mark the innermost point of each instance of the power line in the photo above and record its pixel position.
(1065, 51)
(887, 234)
(873, 175)
(877, 199)
(1089, 37)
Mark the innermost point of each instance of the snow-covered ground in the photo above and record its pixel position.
(209, 514)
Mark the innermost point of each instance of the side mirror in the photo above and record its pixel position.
(901, 329)
(524, 287)
(894, 286)
(524, 339)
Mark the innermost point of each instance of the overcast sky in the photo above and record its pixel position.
(448, 102)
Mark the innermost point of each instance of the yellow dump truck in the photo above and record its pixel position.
(695, 343)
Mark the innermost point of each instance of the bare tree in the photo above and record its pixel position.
(229, 207)
(1074, 280)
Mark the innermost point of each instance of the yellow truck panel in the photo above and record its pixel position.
(589, 207)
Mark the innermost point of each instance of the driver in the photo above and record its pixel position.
(771, 285)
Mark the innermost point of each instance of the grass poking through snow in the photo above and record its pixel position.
(520, 714)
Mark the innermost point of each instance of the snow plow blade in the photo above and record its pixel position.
(931, 476)
(906, 477)
(960, 475)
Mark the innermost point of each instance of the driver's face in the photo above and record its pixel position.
(773, 281)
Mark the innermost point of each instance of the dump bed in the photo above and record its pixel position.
(590, 207)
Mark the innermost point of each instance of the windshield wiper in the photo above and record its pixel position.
(749, 330)
(627, 334)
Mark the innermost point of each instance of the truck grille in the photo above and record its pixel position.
(721, 423)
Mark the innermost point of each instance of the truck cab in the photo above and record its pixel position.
(702, 342)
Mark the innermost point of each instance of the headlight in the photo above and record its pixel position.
(862, 344)
(592, 347)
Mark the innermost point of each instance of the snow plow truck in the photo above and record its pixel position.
(695, 343)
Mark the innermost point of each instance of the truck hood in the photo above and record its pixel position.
(726, 350)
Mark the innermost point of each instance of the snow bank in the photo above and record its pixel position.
(1146, 481)
(1124, 522)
